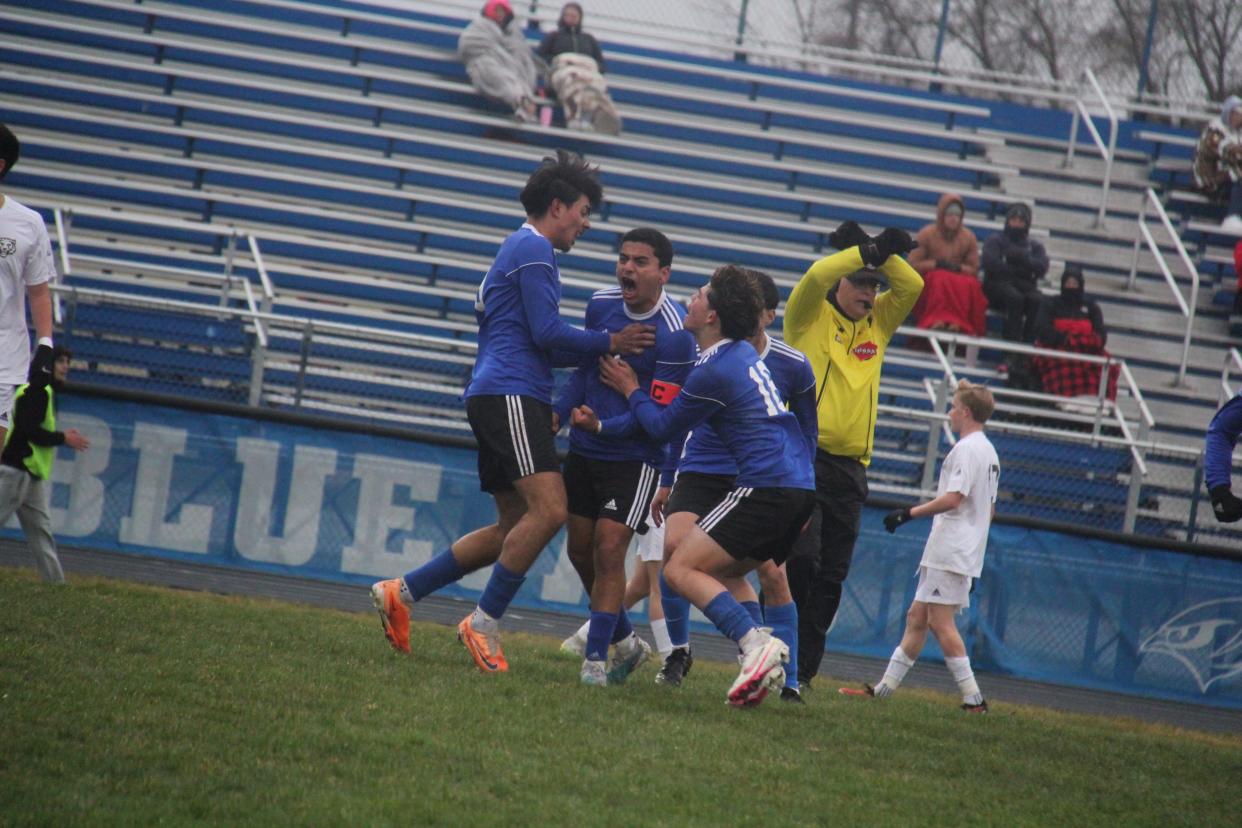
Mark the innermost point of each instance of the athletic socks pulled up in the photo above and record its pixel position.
(501, 587)
(599, 635)
(783, 619)
(659, 631)
(436, 574)
(898, 665)
(965, 678)
(730, 617)
(676, 614)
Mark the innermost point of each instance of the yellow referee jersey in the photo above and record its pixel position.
(847, 355)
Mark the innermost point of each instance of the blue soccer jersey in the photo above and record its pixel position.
(795, 381)
(731, 389)
(661, 370)
(518, 308)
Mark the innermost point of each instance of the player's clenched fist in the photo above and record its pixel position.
(634, 338)
(584, 419)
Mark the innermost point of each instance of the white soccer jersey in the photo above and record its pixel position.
(25, 260)
(959, 537)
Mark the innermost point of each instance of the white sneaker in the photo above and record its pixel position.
(631, 652)
(762, 670)
(594, 674)
(1232, 224)
(575, 645)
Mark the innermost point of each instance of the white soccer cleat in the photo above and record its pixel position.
(594, 674)
(575, 645)
(762, 671)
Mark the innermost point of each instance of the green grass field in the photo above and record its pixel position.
(123, 704)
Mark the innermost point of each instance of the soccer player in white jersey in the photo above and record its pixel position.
(963, 508)
(26, 268)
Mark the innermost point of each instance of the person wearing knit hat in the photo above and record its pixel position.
(499, 61)
(1013, 264)
(1218, 162)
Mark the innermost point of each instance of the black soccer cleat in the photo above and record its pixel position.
(791, 694)
(981, 707)
(676, 667)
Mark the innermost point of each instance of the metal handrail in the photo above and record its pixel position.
(269, 293)
(1232, 359)
(1187, 308)
(62, 241)
(1108, 152)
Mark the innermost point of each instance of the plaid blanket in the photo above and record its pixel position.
(1070, 378)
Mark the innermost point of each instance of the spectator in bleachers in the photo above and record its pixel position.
(499, 61)
(1237, 269)
(948, 260)
(1072, 321)
(1013, 264)
(1218, 162)
(576, 74)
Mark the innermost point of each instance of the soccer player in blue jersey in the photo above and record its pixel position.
(509, 405)
(611, 482)
(730, 388)
(705, 474)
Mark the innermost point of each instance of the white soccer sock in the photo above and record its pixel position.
(406, 597)
(898, 665)
(659, 630)
(965, 678)
(483, 622)
(583, 631)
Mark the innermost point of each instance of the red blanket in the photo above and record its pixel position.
(953, 301)
(1070, 378)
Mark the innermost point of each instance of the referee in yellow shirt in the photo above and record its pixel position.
(842, 314)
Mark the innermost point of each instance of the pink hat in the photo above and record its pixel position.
(491, 5)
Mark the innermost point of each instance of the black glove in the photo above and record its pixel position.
(848, 235)
(1228, 508)
(895, 518)
(893, 241)
(41, 365)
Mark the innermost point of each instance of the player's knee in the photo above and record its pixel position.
(916, 619)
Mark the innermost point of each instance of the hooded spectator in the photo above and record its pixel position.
(569, 38)
(1071, 305)
(1013, 264)
(1070, 321)
(946, 243)
(1218, 162)
(499, 61)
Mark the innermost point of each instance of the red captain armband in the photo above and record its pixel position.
(664, 392)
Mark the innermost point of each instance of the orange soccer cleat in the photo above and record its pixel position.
(484, 647)
(394, 614)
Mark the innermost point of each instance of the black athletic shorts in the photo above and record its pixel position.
(620, 490)
(759, 524)
(697, 493)
(515, 439)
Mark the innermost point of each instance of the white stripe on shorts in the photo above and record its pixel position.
(642, 497)
(517, 430)
(708, 522)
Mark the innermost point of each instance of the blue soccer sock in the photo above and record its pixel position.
(756, 614)
(624, 628)
(730, 617)
(500, 589)
(783, 619)
(436, 574)
(676, 614)
(599, 635)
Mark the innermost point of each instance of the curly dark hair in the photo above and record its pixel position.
(566, 177)
(737, 299)
(657, 241)
(10, 149)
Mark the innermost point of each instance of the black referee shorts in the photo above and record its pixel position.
(515, 439)
(620, 490)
